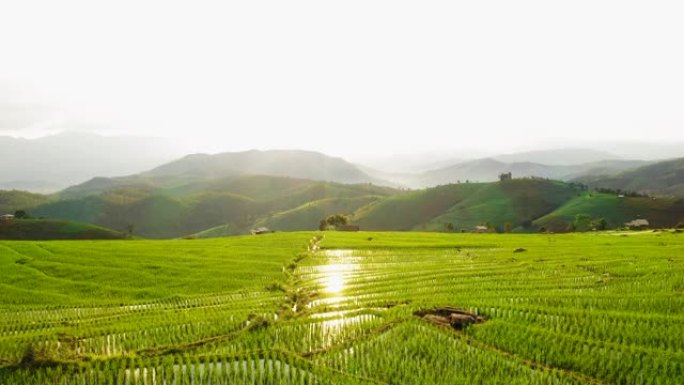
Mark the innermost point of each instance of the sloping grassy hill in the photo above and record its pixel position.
(661, 212)
(518, 201)
(235, 203)
(410, 210)
(308, 215)
(46, 229)
(662, 178)
(13, 200)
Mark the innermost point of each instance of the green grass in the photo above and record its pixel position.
(171, 208)
(46, 229)
(593, 308)
(174, 207)
(660, 212)
(411, 209)
(517, 202)
(465, 206)
(115, 272)
(309, 215)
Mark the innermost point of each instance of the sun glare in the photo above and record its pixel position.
(334, 279)
(335, 275)
(334, 284)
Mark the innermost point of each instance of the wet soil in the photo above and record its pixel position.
(449, 316)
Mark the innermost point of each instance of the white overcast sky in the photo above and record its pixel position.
(347, 76)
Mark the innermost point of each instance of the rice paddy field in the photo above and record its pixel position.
(345, 308)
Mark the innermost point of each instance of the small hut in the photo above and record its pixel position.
(638, 224)
(348, 228)
(260, 230)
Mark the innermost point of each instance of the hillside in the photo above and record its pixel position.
(198, 171)
(236, 203)
(304, 217)
(467, 205)
(45, 229)
(517, 202)
(13, 200)
(309, 215)
(661, 179)
(409, 210)
(661, 212)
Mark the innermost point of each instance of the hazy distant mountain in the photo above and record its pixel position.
(488, 169)
(193, 172)
(411, 163)
(643, 149)
(289, 163)
(54, 162)
(558, 157)
(661, 178)
(562, 164)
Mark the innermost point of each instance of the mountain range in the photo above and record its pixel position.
(51, 163)
(229, 193)
(661, 178)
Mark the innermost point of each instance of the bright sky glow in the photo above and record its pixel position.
(348, 77)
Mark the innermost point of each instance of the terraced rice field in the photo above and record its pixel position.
(603, 308)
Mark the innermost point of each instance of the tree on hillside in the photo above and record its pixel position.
(508, 227)
(19, 214)
(582, 222)
(600, 224)
(333, 221)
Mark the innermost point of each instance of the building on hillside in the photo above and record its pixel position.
(481, 229)
(260, 230)
(505, 176)
(348, 228)
(637, 224)
(6, 217)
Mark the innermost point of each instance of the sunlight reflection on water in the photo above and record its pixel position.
(335, 275)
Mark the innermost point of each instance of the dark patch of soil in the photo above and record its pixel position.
(520, 250)
(451, 316)
(391, 304)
